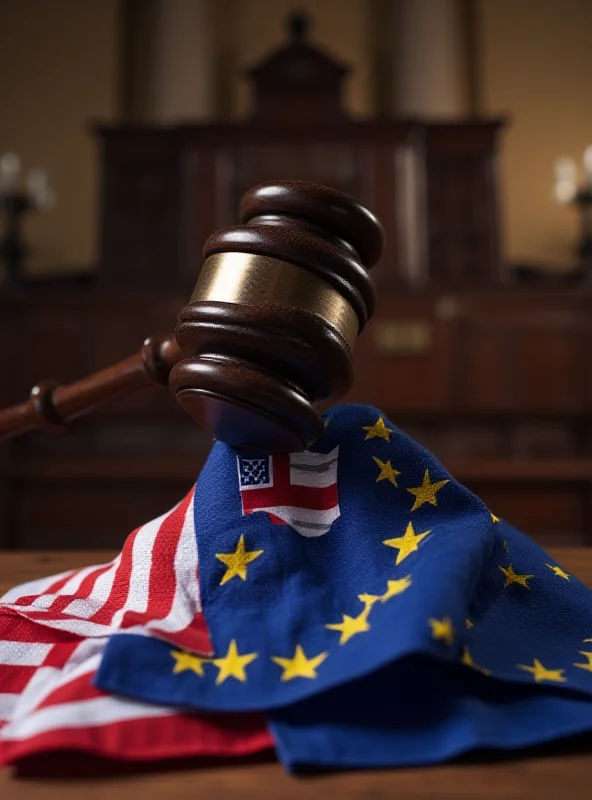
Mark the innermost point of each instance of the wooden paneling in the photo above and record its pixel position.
(495, 379)
(495, 383)
(462, 197)
(140, 178)
(405, 359)
(557, 514)
(526, 360)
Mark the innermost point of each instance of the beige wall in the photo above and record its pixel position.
(249, 29)
(537, 66)
(58, 62)
(60, 65)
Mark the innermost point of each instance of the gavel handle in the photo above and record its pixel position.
(53, 407)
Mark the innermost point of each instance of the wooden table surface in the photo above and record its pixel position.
(561, 771)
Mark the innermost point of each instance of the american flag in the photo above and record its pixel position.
(298, 489)
(52, 635)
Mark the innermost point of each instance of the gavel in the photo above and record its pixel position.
(268, 333)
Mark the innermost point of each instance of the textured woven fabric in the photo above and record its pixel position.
(53, 632)
(372, 606)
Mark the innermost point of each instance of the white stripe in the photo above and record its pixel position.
(138, 594)
(306, 458)
(141, 557)
(81, 627)
(40, 685)
(70, 587)
(288, 513)
(293, 515)
(137, 598)
(100, 593)
(312, 477)
(86, 658)
(7, 704)
(42, 602)
(23, 654)
(81, 714)
(186, 602)
(37, 586)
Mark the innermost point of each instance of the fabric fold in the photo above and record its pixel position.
(354, 605)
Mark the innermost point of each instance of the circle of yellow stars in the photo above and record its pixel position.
(349, 626)
(442, 630)
(299, 666)
(387, 472)
(234, 664)
(426, 493)
(236, 563)
(541, 673)
(406, 544)
(588, 655)
(377, 431)
(467, 660)
(513, 577)
(558, 571)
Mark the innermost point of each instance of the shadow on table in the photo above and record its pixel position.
(74, 765)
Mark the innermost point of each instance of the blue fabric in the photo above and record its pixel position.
(417, 712)
(471, 639)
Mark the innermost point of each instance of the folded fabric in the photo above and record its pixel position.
(52, 636)
(423, 710)
(372, 606)
(350, 606)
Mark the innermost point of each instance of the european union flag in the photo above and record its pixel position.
(375, 609)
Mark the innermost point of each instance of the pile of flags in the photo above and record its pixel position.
(350, 606)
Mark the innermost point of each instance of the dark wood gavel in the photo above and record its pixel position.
(268, 332)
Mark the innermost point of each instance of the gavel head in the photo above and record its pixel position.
(270, 327)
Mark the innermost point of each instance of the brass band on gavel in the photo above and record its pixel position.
(253, 280)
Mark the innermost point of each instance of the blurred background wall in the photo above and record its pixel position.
(534, 64)
(61, 66)
(450, 119)
(68, 62)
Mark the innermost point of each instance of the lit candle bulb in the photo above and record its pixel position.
(565, 173)
(10, 171)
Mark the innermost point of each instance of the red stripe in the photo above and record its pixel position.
(78, 689)
(54, 587)
(15, 627)
(60, 653)
(60, 603)
(14, 679)
(47, 616)
(83, 591)
(162, 587)
(162, 582)
(276, 520)
(120, 587)
(173, 736)
(195, 637)
(315, 498)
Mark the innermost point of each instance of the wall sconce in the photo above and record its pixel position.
(569, 191)
(15, 201)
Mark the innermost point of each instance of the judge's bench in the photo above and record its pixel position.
(487, 367)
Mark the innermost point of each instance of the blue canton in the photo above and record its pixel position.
(254, 471)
